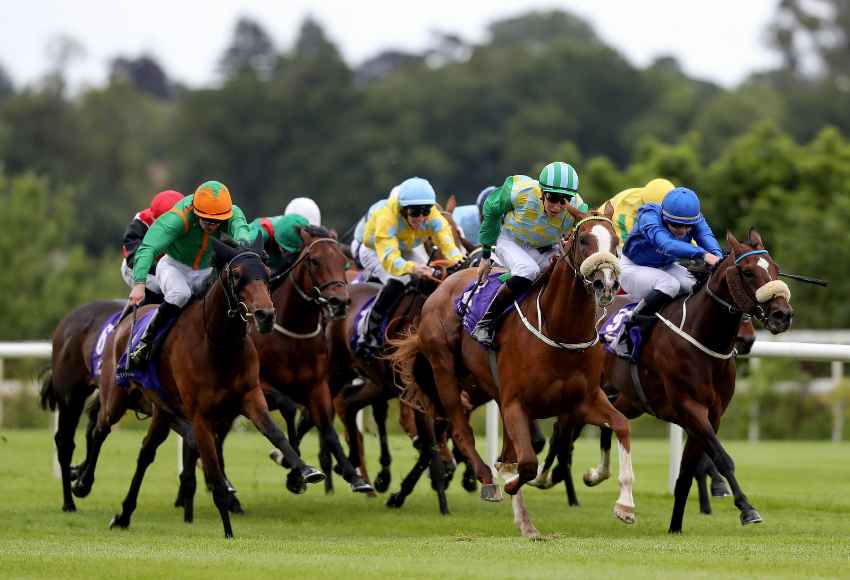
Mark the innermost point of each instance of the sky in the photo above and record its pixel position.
(722, 40)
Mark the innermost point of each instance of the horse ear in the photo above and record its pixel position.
(577, 214)
(305, 235)
(608, 211)
(755, 238)
(734, 244)
(222, 253)
(258, 243)
(451, 204)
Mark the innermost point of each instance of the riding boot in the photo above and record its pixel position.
(485, 330)
(384, 302)
(644, 319)
(165, 313)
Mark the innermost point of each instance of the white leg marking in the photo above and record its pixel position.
(596, 475)
(522, 519)
(624, 509)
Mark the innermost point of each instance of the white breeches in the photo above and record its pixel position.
(372, 265)
(641, 280)
(520, 259)
(127, 274)
(179, 282)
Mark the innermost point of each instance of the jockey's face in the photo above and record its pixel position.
(678, 230)
(554, 203)
(417, 215)
(209, 226)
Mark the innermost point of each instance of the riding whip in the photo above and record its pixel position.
(806, 279)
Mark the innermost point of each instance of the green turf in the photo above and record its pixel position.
(800, 489)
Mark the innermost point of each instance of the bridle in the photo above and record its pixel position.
(235, 306)
(315, 295)
(741, 293)
(588, 267)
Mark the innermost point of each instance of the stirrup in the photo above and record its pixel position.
(139, 356)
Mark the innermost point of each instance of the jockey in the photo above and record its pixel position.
(182, 234)
(136, 230)
(468, 217)
(661, 235)
(524, 221)
(392, 245)
(626, 204)
(304, 206)
(281, 238)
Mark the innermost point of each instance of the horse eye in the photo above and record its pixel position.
(585, 241)
(748, 274)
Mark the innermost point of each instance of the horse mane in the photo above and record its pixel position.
(316, 231)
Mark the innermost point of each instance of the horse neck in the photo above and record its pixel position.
(568, 309)
(221, 331)
(709, 321)
(294, 312)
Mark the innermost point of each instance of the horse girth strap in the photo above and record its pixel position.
(538, 332)
(678, 331)
(634, 372)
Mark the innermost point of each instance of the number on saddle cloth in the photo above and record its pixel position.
(613, 331)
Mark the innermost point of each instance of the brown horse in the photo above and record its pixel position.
(69, 382)
(686, 373)
(209, 371)
(535, 375)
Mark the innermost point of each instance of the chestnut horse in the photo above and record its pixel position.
(535, 376)
(209, 371)
(686, 373)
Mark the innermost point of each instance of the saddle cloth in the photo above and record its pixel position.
(612, 332)
(475, 300)
(100, 346)
(148, 375)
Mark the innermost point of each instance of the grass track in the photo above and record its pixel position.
(801, 490)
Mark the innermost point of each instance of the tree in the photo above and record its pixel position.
(144, 74)
(251, 51)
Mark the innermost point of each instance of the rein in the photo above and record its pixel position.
(235, 307)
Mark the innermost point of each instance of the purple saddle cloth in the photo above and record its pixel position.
(100, 346)
(361, 324)
(611, 333)
(471, 309)
(148, 375)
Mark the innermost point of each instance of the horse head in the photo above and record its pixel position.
(591, 247)
(245, 279)
(319, 272)
(753, 281)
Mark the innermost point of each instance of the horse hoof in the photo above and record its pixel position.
(69, 507)
(74, 472)
(750, 516)
(329, 491)
(532, 534)
(312, 475)
(359, 485)
(470, 484)
(592, 478)
(235, 507)
(338, 469)
(395, 501)
(80, 490)
(382, 482)
(118, 521)
(295, 483)
(491, 492)
(624, 513)
(573, 503)
(720, 489)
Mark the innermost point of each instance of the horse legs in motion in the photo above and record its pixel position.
(429, 456)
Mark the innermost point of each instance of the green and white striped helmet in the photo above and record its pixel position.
(559, 177)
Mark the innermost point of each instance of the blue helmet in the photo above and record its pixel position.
(482, 197)
(416, 191)
(681, 206)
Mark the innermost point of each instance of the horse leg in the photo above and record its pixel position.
(515, 420)
(235, 506)
(425, 444)
(596, 475)
(254, 407)
(69, 418)
(565, 461)
(687, 469)
(544, 478)
(188, 482)
(326, 465)
(91, 411)
(718, 485)
(379, 412)
(108, 415)
(599, 411)
(354, 402)
(700, 474)
(538, 439)
(726, 467)
(321, 410)
(157, 433)
(468, 481)
(430, 444)
(212, 467)
(521, 518)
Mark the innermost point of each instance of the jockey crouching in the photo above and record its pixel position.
(182, 234)
(524, 221)
(661, 235)
(392, 246)
(281, 238)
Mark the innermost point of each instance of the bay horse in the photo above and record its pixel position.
(686, 372)
(69, 382)
(545, 376)
(209, 371)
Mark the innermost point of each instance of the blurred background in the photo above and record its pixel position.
(102, 104)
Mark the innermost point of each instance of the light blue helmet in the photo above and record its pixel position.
(482, 197)
(681, 206)
(416, 191)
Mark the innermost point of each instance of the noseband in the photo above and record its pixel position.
(745, 300)
(236, 307)
(593, 263)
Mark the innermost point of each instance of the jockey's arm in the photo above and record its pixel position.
(705, 238)
(497, 205)
(238, 228)
(444, 240)
(133, 236)
(387, 248)
(164, 231)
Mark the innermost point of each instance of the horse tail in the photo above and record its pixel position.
(403, 357)
(47, 394)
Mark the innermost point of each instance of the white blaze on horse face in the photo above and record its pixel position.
(604, 241)
(764, 265)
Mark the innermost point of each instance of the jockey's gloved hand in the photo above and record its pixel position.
(463, 264)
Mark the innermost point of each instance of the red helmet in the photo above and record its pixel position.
(164, 201)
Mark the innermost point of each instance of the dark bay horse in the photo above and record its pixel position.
(535, 375)
(686, 373)
(68, 383)
(209, 371)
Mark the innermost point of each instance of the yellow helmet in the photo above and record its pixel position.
(655, 190)
(212, 201)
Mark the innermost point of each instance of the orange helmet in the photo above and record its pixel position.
(212, 201)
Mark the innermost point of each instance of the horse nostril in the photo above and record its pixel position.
(264, 315)
(598, 285)
(615, 287)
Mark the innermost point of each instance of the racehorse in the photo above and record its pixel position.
(546, 376)
(686, 372)
(70, 380)
(209, 372)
